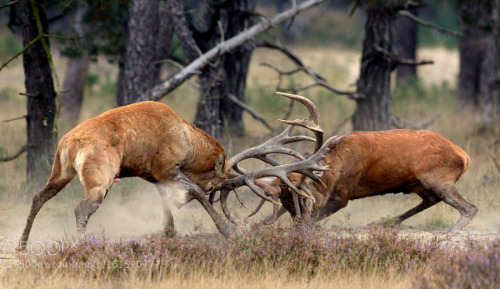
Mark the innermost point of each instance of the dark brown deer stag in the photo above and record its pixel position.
(150, 141)
(364, 164)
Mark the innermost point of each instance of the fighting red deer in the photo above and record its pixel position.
(364, 164)
(149, 140)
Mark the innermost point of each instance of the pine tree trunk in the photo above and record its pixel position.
(373, 112)
(208, 112)
(141, 71)
(406, 42)
(228, 76)
(236, 65)
(490, 76)
(471, 47)
(40, 93)
(75, 77)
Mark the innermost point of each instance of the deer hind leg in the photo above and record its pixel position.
(96, 177)
(53, 186)
(448, 193)
(165, 192)
(62, 174)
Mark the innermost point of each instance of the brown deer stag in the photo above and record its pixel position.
(149, 140)
(364, 164)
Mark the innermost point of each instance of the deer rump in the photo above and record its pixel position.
(364, 164)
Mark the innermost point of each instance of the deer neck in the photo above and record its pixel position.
(204, 151)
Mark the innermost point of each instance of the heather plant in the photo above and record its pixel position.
(297, 251)
(479, 268)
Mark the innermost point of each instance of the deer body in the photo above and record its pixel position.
(148, 140)
(365, 164)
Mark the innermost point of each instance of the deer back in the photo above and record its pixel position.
(148, 138)
(372, 163)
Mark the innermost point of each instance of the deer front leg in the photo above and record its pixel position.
(428, 200)
(330, 208)
(224, 227)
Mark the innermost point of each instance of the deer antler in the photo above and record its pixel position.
(311, 122)
(275, 145)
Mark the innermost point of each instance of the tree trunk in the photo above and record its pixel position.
(40, 93)
(373, 112)
(490, 76)
(141, 71)
(208, 112)
(75, 77)
(406, 42)
(236, 65)
(228, 75)
(471, 47)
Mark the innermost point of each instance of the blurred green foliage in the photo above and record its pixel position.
(416, 90)
(10, 45)
(7, 94)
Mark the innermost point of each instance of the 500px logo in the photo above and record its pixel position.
(38, 248)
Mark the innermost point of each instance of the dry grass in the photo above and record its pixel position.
(352, 280)
(132, 208)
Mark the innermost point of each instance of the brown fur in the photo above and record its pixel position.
(367, 164)
(148, 140)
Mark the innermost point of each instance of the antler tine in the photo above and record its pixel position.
(258, 191)
(273, 145)
(307, 191)
(311, 122)
(238, 169)
(257, 209)
(239, 200)
(223, 197)
(314, 177)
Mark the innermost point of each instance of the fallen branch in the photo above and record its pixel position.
(318, 79)
(177, 79)
(16, 155)
(254, 114)
(292, 57)
(8, 4)
(430, 25)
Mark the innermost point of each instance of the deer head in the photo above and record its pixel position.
(305, 167)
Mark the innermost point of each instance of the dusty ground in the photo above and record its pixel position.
(139, 214)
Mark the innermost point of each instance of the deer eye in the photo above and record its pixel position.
(209, 187)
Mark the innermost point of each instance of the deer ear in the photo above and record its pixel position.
(220, 165)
